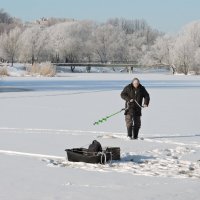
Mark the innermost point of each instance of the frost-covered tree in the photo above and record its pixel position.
(33, 42)
(71, 41)
(56, 40)
(78, 45)
(136, 48)
(196, 66)
(138, 27)
(110, 43)
(186, 47)
(180, 52)
(183, 54)
(129, 26)
(139, 37)
(160, 54)
(9, 45)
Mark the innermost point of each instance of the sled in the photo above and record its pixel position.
(83, 155)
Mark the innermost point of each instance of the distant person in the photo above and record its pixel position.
(134, 94)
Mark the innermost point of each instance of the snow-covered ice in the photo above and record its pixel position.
(41, 117)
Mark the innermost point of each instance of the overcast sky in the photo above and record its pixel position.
(165, 15)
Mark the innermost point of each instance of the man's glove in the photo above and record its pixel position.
(132, 100)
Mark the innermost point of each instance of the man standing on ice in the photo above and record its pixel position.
(134, 94)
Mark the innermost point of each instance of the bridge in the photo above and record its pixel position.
(128, 66)
(88, 66)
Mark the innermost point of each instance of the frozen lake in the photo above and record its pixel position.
(69, 85)
(58, 113)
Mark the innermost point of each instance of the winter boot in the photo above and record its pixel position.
(129, 131)
(135, 133)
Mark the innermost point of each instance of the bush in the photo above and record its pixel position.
(43, 69)
(3, 71)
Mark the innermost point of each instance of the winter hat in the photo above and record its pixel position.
(136, 79)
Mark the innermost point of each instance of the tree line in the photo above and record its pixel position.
(117, 40)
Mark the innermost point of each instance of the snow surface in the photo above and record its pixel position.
(41, 117)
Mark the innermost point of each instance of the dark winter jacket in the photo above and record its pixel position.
(138, 94)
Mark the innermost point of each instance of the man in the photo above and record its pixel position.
(134, 94)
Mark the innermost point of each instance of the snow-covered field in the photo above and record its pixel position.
(41, 117)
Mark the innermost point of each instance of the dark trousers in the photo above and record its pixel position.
(133, 124)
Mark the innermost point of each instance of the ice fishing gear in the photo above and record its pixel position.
(107, 117)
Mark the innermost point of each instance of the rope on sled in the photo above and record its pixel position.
(103, 154)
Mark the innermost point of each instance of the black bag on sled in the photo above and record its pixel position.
(95, 147)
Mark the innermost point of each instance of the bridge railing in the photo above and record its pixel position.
(127, 66)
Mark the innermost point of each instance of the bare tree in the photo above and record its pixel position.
(5, 17)
(7, 22)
